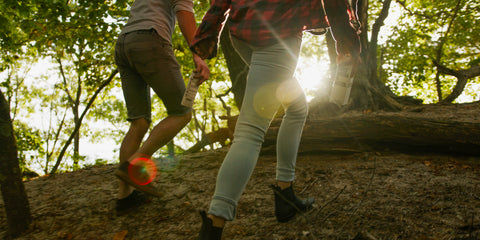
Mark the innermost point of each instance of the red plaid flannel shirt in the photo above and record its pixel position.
(264, 22)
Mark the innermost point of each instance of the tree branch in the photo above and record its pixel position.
(471, 72)
(77, 126)
(64, 78)
(462, 75)
(439, 50)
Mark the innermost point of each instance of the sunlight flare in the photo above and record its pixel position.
(312, 75)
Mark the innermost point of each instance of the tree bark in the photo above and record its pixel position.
(332, 56)
(76, 120)
(384, 132)
(363, 17)
(368, 91)
(14, 196)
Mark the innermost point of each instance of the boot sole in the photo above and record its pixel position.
(287, 218)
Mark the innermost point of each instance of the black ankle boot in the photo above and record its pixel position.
(208, 231)
(287, 204)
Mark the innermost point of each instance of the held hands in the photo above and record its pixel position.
(202, 72)
(205, 48)
(202, 50)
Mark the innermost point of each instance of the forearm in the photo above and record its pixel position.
(187, 24)
(346, 37)
(206, 38)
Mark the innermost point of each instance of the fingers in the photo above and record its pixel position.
(203, 50)
(202, 72)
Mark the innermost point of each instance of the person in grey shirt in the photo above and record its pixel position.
(145, 59)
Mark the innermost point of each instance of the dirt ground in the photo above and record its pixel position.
(358, 196)
(362, 196)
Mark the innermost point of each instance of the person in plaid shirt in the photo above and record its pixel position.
(264, 22)
(267, 34)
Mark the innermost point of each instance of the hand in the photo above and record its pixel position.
(205, 48)
(344, 59)
(202, 72)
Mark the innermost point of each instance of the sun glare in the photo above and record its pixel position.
(312, 75)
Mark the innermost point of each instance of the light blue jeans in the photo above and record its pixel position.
(270, 84)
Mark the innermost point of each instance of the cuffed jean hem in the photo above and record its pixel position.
(183, 112)
(147, 117)
(222, 207)
(285, 174)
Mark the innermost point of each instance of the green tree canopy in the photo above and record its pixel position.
(433, 31)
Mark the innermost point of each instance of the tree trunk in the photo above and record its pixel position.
(13, 191)
(363, 17)
(384, 132)
(237, 68)
(368, 91)
(76, 120)
(332, 55)
(76, 140)
(171, 148)
(373, 46)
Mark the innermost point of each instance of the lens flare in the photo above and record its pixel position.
(267, 98)
(288, 91)
(265, 102)
(142, 170)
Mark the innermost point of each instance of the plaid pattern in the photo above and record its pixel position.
(264, 22)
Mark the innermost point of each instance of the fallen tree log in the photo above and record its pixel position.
(377, 132)
(222, 135)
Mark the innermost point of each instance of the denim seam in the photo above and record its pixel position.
(229, 201)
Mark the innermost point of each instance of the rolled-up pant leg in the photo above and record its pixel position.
(270, 84)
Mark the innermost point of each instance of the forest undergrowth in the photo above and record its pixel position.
(371, 195)
(358, 196)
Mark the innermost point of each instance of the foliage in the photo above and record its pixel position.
(23, 103)
(421, 36)
(28, 140)
(12, 38)
(80, 38)
(77, 37)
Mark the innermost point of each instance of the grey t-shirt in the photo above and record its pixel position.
(156, 14)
